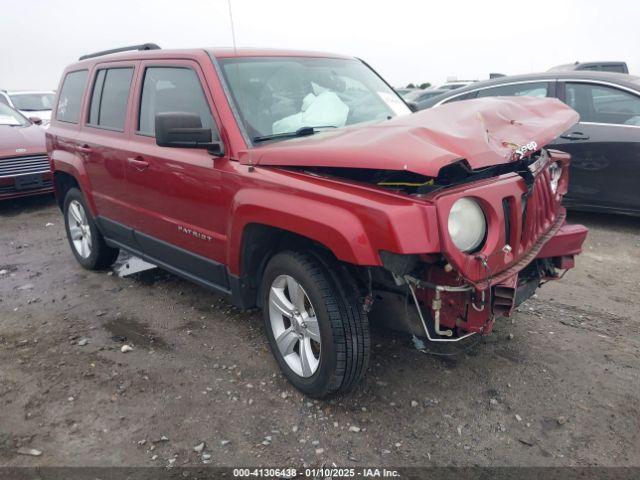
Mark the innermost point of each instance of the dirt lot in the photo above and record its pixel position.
(557, 385)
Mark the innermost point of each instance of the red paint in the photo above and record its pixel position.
(29, 138)
(482, 131)
(219, 197)
(567, 242)
(20, 142)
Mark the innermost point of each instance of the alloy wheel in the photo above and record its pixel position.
(79, 229)
(294, 325)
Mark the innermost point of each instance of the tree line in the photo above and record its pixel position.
(421, 86)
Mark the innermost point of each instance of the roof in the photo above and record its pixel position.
(270, 52)
(218, 52)
(575, 65)
(622, 79)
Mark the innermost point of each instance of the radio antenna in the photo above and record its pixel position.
(233, 31)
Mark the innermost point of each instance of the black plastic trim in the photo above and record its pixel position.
(183, 260)
(142, 46)
(193, 267)
(117, 232)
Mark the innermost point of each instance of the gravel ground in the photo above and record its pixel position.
(556, 385)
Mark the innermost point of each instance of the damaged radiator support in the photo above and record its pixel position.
(436, 306)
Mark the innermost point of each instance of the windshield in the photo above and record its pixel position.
(8, 116)
(32, 102)
(279, 95)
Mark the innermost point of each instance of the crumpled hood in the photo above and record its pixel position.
(484, 131)
(26, 140)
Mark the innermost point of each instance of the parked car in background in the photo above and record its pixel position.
(605, 145)
(454, 84)
(301, 183)
(31, 103)
(24, 166)
(403, 92)
(417, 96)
(616, 67)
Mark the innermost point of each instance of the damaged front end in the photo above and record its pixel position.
(496, 227)
(526, 242)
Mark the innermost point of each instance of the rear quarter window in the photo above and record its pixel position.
(70, 99)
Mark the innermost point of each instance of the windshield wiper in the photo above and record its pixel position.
(301, 132)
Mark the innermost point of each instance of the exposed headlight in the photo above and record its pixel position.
(467, 224)
(555, 172)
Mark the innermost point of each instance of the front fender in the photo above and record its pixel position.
(337, 228)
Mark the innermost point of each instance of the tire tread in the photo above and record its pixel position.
(349, 322)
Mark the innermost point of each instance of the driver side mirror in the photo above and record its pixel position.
(184, 130)
(35, 120)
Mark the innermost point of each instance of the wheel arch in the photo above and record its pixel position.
(334, 227)
(69, 172)
(260, 242)
(63, 182)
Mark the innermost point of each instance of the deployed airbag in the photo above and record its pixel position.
(322, 110)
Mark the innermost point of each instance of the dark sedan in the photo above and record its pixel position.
(417, 96)
(605, 144)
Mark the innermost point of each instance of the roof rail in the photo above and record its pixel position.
(143, 46)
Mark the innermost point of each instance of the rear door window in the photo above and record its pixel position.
(535, 89)
(109, 98)
(603, 104)
(172, 89)
(70, 100)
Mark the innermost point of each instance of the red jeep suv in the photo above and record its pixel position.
(302, 184)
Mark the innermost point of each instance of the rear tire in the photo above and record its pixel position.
(86, 242)
(325, 316)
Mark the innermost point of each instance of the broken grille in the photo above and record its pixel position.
(539, 211)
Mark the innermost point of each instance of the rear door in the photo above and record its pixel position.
(605, 145)
(176, 192)
(105, 137)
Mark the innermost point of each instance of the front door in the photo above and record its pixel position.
(175, 192)
(604, 145)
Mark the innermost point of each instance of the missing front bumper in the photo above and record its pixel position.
(450, 313)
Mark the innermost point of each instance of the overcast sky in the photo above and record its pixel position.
(406, 41)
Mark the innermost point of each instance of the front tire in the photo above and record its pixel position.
(317, 330)
(86, 242)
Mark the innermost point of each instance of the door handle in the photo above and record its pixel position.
(138, 163)
(575, 136)
(83, 148)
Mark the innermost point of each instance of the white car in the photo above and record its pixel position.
(30, 103)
